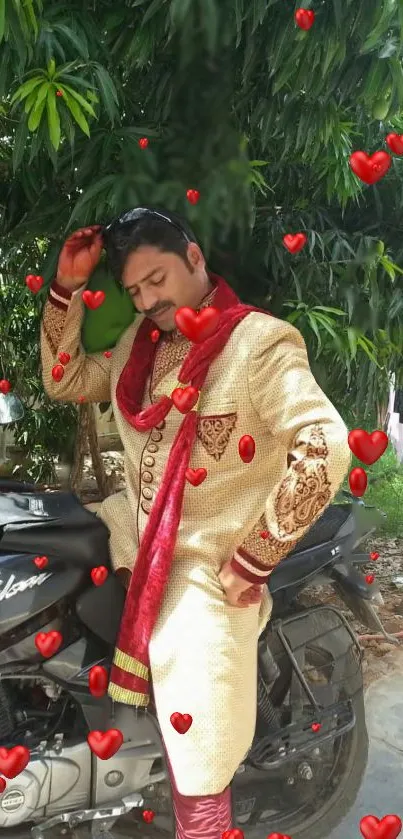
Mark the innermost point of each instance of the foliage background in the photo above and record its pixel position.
(237, 102)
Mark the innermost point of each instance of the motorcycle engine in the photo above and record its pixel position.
(30, 711)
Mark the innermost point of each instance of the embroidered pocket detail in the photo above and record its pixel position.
(214, 432)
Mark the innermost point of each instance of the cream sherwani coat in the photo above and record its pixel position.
(203, 652)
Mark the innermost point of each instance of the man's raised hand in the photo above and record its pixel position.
(79, 257)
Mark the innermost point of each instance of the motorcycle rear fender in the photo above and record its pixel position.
(348, 578)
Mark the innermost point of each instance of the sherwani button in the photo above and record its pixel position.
(152, 448)
(147, 493)
(149, 461)
(146, 507)
(156, 436)
(147, 477)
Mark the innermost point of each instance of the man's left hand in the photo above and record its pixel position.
(239, 592)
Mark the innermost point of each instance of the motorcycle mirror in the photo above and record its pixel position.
(11, 408)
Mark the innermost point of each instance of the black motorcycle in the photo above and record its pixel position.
(309, 753)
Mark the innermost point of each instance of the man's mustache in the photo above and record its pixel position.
(154, 312)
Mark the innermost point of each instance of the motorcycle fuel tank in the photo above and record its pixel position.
(26, 590)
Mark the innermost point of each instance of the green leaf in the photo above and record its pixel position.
(80, 99)
(238, 20)
(95, 190)
(20, 140)
(53, 118)
(352, 340)
(2, 19)
(77, 114)
(37, 111)
(29, 102)
(79, 44)
(178, 11)
(51, 67)
(153, 8)
(107, 91)
(314, 327)
(31, 16)
(330, 309)
(25, 89)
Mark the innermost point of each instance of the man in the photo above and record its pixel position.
(201, 545)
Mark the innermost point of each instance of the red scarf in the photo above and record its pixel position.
(129, 678)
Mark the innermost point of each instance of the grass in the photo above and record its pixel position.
(385, 490)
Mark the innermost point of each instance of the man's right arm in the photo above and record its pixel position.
(86, 376)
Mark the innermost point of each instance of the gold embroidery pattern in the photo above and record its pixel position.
(53, 323)
(173, 349)
(305, 491)
(168, 356)
(268, 551)
(214, 433)
(317, 446)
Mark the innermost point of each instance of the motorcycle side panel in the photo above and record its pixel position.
(25, 591)
(100, 608)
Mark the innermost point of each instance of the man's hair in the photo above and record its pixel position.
(148, 230)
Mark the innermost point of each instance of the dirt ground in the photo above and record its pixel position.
(380, 657)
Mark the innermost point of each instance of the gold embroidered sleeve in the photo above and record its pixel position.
(85, 376)
(313, 435)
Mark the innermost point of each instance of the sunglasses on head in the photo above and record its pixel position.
(133, 216)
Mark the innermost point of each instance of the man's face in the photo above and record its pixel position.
(159, 283)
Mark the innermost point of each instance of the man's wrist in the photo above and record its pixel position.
(249, 568)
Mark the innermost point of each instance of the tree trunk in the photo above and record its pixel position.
(102, 479)
(382, 411)
(76, 474)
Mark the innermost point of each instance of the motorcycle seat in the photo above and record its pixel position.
(313, 551)
(54, 524)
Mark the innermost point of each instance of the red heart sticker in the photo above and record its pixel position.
(105, 744)
(278, 836)
(395, 143)
(193, 196)
(246, 448)
(154, 335)
(387, 828)
(185, 398)
(368, 447)
(197, 327)
(143, 142)
(181, 722)
(235, 833)
(196, 476)
(374, 555)
(41, 561)
(64, 358)
(295, 243)
(264, 534)
(98, 680)
(108, 353)
(57, 372)
(2, 785)
(48, 643)
(5, 386)
(34, 283)
(93, 299)
(13, 761)
(316, 726)
(99, 575)
(369, 579)
(148, 816)
(304, 18)
(370, 169)
(358, 481)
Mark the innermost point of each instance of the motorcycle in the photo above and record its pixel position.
(309, 753)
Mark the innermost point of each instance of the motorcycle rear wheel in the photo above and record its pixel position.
(334, 809)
